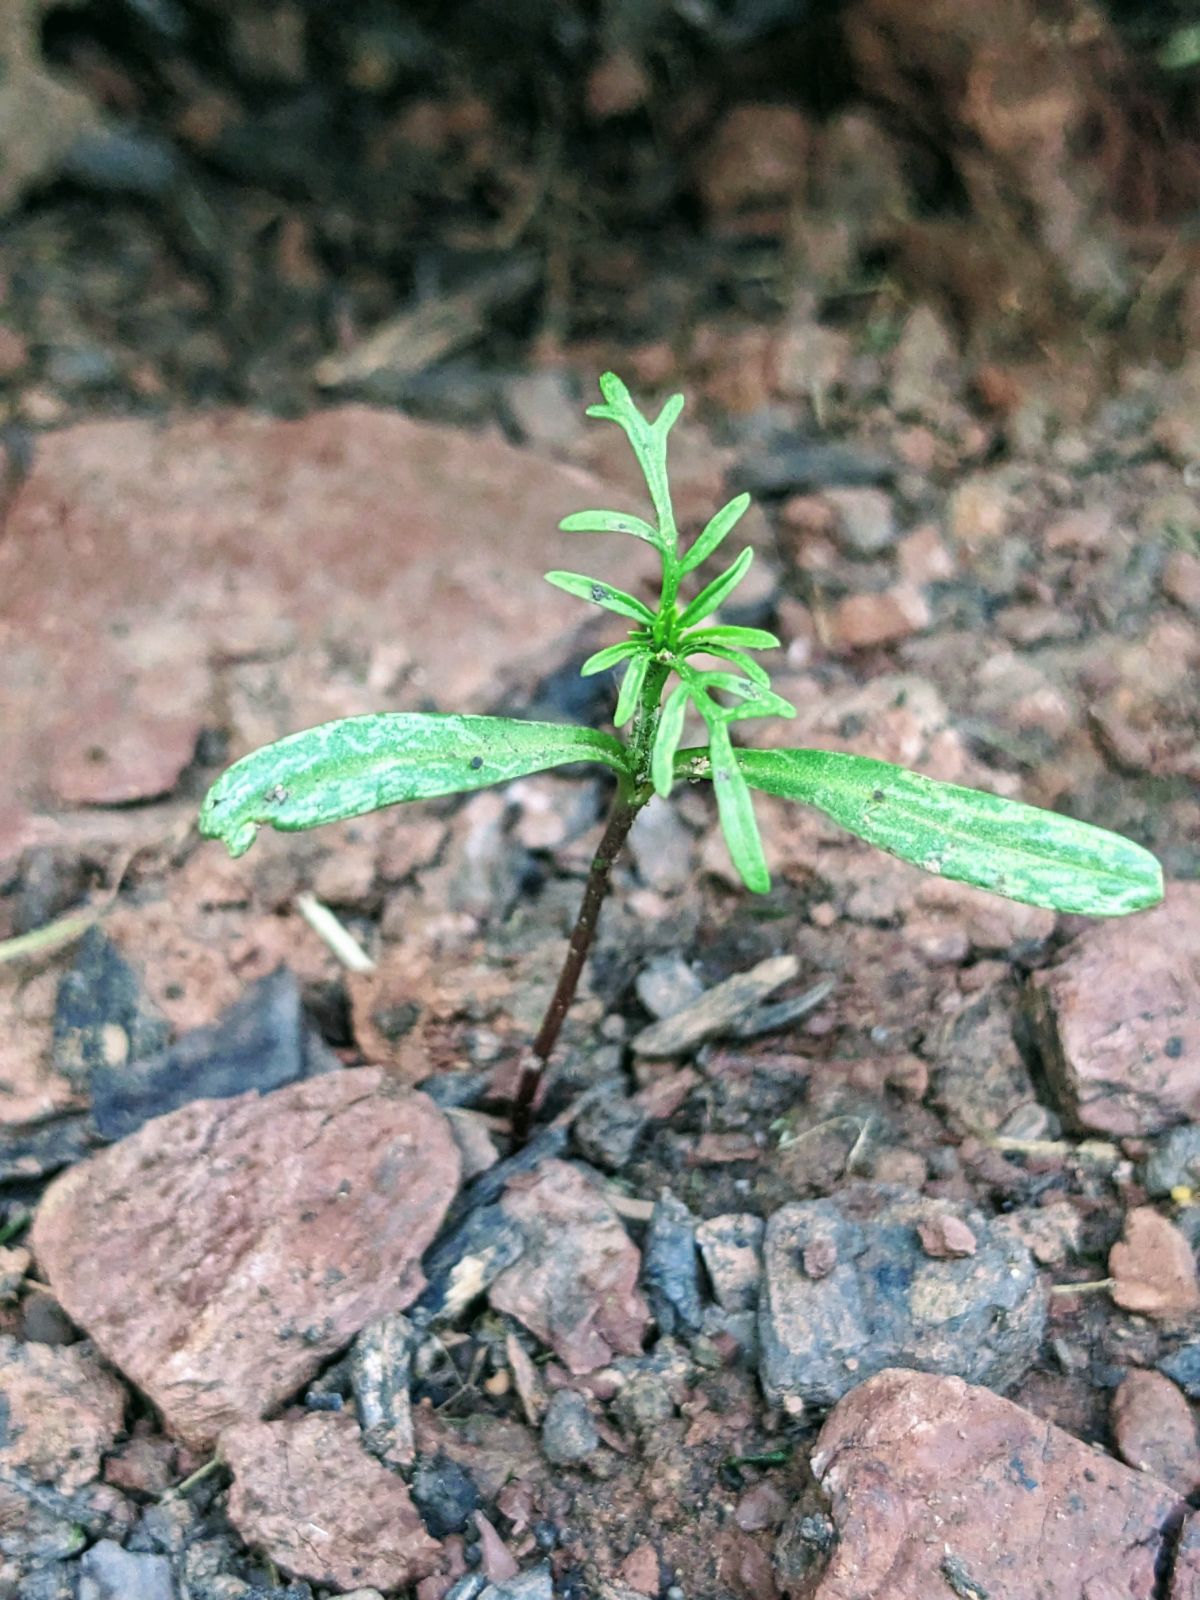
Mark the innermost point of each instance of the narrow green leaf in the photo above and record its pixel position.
(718, 526)
(711, 596)
(736, 810)
(631, 688)
(747, 663)
(758, 700)
(669, 415)
(360, 764)
(611, 522)
(666, 740)
(1014, 850)
(742, 638)
(601, 594)
(611, 656)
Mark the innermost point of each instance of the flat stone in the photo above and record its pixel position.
(307, 1493)
(62, 1409)
(222, 1253)
(865, 621)
(1153, 1268)
(575, 1287)
(1118, 1019)
(716, 1010)
(731, 1248)
(848, 1289)
(1155, 1430)
(108, 1572)
(208, 537)
(259, 1044)
(939, 1488)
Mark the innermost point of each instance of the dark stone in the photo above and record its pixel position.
(607, 1130)
(1175, 1161)
(1182, 1366)
(45, 1147)
(798, 466)
(473, 1255)
(444, 1494)
(258, 1044)
(380, 1374)
(884, 1302)
(568, 1432)
(99, 1014)
(671, 1267)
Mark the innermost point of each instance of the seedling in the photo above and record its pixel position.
(679, 649)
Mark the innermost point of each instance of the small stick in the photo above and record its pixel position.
(1092, 1286)
(193, 1478)
(338, 937)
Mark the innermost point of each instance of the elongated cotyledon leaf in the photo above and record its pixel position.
(1012, 849)
(359, 764)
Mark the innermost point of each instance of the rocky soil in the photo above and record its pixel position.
(853, 1255)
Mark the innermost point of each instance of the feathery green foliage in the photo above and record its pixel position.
(707, 670)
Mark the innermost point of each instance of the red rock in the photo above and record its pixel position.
(576, 1285)
(640, 1570)
(133, 552)
(862, 621)
(307, 1493)
(220, 1254)
(1156, 1431)
(1154, 1268)
(939, 1487)
(62, 1410)
(1185, 1574)
(111, 759)
(1118, 1019)
(946, 1236)
(923, 558)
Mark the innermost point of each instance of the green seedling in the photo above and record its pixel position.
(678, 660)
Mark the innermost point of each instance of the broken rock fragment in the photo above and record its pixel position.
(576, 1285)
(1118, 1019)
(222, 1253)
(1153, 1268)
(849, 1287)
(939, 1488)
(307, 1493)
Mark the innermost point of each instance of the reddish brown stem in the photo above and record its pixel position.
(620, 820)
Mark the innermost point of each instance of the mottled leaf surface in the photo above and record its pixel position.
(358, 764)
(1014, 850)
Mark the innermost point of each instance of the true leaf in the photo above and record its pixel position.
(666, 740)
(358, 764)
(601, 594)
(747, 663)
(736, 811)
(741, 638)
(711, 596)
(1012, 849)
(611, 522)
(716, 529)
(611, 656)
(631, 688)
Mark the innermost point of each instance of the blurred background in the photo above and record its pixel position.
(213, 201)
